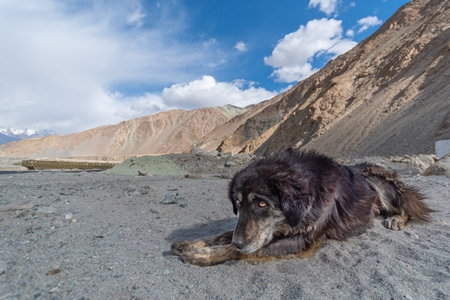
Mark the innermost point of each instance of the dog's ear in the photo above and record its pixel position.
(294, 203)
(295, 208)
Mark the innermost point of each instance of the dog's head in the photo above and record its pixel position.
(270, 198)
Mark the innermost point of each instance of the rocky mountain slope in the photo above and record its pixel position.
(389, 95)
(172, 131)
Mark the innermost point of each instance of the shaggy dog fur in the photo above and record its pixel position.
(288, 203)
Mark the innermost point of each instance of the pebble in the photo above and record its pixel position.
(166, 272)
(53, 271)
(68, 216)
(230, 163)
(194, 176)
(170, 197)
(3, 267)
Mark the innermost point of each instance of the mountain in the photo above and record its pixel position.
(173, 131)
(389, 95)
(9, 134)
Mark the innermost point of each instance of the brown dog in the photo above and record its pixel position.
(288, 203)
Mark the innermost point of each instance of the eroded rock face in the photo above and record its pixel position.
(387, 96)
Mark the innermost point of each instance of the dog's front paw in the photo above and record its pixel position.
(200, 257)
(396, 222)
(179, 247)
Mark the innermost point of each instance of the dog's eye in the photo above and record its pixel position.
(262, 204)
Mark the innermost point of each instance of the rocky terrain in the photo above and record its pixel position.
(389, 95)
(106, 235)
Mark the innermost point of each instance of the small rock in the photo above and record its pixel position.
(166, 272)
(197, 151)
(3, 267)
(21, 213)
(170, 197)
(242, 157)
(53, 271)
(213, 153)
(225, 154)
(68, 216)
(442, 167)
(230, 163)
(194, 176)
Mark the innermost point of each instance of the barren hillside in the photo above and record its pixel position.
(388, 95)
(172, 131)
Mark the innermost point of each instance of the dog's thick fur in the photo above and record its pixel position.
(288, 203)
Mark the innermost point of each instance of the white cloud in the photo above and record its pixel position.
(293, 55)
(241, 46)
(350, 33)
(206, 92)
(367, 22)
(326, 6)
(61, 62)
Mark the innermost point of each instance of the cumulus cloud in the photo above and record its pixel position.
(367, 22)
(61, 62)
(293, 55)
(205, 91)
(326, 6)
(241, 46)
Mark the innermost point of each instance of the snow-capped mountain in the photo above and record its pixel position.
(9, 134)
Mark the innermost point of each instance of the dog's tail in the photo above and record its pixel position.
(395, 196)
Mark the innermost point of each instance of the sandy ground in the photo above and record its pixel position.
(90, 235)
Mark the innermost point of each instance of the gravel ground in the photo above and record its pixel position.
(90, 235)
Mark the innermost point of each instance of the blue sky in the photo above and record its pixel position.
(77, 64)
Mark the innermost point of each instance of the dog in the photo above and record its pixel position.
(288, 203)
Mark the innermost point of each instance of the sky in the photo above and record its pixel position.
(72, 65)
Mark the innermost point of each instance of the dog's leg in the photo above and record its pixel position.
(396, 222)
(210, 256)
(397, 199)
(181, 247)
(284, 248)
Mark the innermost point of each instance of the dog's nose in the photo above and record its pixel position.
(238, 243)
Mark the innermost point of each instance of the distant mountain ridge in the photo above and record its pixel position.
(172, 131)
(10, 134)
